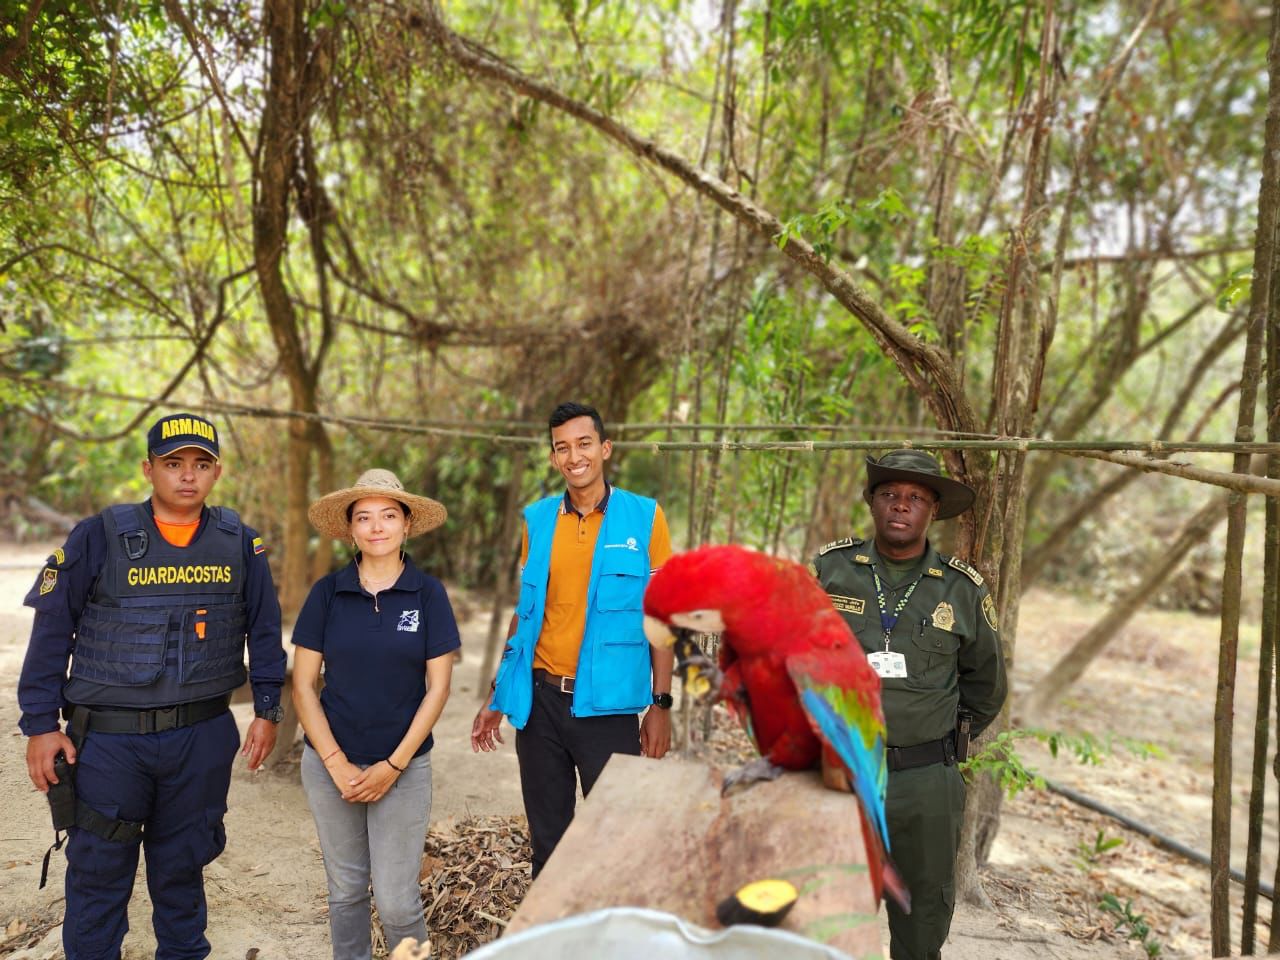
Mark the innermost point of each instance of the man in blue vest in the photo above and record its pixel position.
(152, 603)
(577, 669)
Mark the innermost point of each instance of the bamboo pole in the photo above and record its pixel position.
(1261, 736)
(1271, 574)
(1058, 678)
(1260, 300)
(1269, 643)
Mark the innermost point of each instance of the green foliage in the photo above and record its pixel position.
(76, 71)
(1133, 926)
(1235, 289)
(1000, 760)
(867, 217)
(1089, 852)
(485, 253)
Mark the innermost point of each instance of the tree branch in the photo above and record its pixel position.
(913, 356)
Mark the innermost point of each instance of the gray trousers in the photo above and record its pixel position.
(378, 843)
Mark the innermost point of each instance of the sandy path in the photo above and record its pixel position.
(267, 890)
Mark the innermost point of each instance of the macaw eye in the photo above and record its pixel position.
(703, 621)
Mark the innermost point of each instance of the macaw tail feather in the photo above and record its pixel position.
(885, 877)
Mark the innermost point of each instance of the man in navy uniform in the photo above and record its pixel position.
(152, 603)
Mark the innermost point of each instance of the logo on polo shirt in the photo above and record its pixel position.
(408, 621)
(629, 545)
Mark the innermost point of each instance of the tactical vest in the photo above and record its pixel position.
(166, 617)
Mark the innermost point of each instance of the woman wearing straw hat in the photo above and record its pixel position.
(385, 633)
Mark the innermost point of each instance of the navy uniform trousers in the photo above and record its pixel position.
(176, 784)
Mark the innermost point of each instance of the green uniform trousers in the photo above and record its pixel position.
(924, 807)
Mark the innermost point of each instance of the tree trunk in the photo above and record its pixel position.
(1264, 263)
(1050, 688)
(503, 567)
(274, 171)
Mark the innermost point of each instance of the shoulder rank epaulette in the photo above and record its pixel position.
(56, 559)
(838, 544)
(966, 569)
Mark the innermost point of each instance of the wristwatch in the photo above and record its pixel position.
(663, 700)
(274, 714)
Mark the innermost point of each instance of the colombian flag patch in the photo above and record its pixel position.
(258, 546)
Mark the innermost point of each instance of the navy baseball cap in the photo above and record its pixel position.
(180, 430)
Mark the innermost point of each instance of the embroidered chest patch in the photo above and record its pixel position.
(847, 604)
(408, 621)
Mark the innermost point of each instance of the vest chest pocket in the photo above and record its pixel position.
(212, 644)
(622, 579)
(528, 599)
(120, 647)
(931, 657)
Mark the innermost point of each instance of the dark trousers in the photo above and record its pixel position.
(551, 747)
(924, 807)
(176, 782)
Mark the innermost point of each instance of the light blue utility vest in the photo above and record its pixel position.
(613, 665)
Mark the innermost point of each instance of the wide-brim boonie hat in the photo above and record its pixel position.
(954, 497)
(329, 513)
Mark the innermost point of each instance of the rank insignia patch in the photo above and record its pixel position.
(861, 558)
(49, 581)
(989, 611)
(934, 572)
(258, 546)
(944, 616)
(835, 545)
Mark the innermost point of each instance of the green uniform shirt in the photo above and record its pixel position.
(946, 632)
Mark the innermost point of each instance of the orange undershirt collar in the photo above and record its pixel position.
(178, 534)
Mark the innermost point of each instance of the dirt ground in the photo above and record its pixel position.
(1048, 872)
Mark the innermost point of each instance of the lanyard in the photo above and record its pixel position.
(889, 620)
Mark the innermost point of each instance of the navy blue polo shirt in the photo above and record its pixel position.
(65, 586)
(375, 660)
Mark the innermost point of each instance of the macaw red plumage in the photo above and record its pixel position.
(794, 675)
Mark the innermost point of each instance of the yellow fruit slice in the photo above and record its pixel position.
(763, 902)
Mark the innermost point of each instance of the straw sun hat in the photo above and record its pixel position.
(329, 513)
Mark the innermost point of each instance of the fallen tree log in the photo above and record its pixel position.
(658, 834)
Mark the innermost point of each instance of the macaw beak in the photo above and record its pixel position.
(658, 633)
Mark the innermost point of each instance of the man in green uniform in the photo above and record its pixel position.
(928, 625)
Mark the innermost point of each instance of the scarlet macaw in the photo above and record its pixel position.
(791, 671)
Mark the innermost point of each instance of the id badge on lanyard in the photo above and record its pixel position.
(886, 664)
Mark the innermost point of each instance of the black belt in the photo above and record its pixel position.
(158, 720)
(922, 754)
(563, 684)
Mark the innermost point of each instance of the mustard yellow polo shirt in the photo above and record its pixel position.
(573, 547)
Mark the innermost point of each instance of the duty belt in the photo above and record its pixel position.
(563, 684)
(922, 754)
(158, 720)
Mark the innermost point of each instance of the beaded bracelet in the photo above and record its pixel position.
(394, 767)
